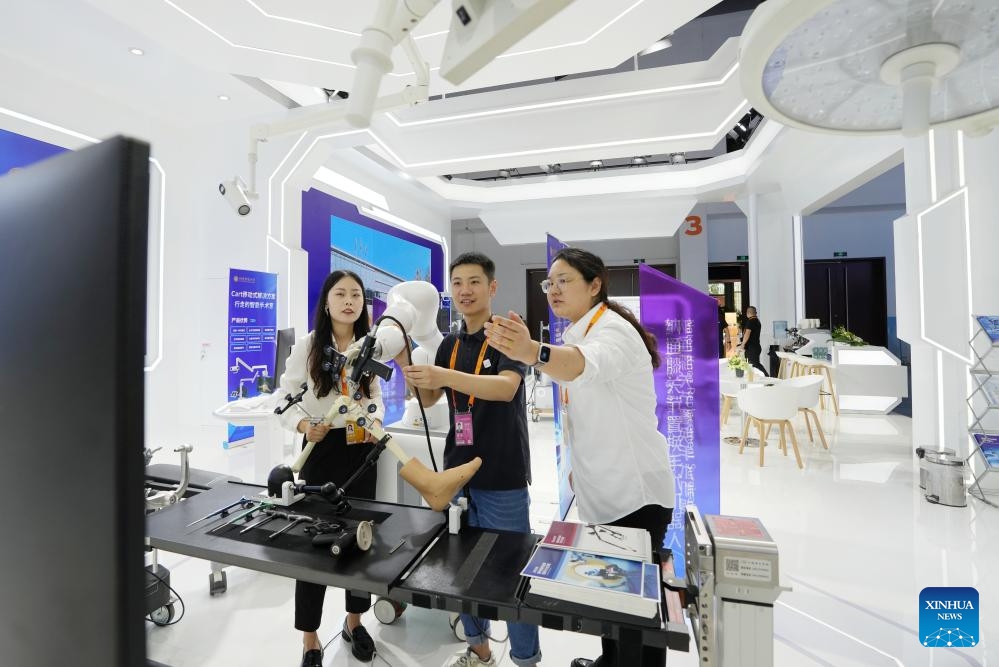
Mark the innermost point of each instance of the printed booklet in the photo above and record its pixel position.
(628, 543)
(618, 584)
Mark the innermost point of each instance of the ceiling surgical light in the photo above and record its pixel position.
(862, 67)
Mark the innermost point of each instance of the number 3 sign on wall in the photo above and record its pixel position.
(695, 227)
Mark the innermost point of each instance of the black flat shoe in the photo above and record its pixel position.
(313, 658)
(361, 643)
(582, 662)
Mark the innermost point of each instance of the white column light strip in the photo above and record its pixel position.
(270, 187)
(562, 103)
(922, 290)
(401, 223)
(159, 292)
(350, 186)
(607, 144)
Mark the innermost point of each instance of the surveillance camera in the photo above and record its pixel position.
(234, 192)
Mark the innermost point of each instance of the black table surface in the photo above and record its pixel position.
(401, 533)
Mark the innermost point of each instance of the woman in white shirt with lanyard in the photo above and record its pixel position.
(341, 318)
(621, 471)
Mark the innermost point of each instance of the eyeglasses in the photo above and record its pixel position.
(546, 284)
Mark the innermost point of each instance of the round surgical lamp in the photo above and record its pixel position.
(874, 66)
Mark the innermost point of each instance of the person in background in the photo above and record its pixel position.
(488, 416)
(621, 471)
(751, 339)
(341, 318)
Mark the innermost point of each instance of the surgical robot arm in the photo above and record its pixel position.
(414, 305)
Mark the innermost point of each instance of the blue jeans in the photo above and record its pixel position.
(503, 510)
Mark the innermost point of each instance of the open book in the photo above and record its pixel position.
(629, 586)
(629, 543)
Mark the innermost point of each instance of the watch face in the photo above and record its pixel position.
(544, 354)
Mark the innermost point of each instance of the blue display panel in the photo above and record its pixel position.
(337, 236)
(17, 151)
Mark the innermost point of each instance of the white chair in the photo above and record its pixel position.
(766, 406)
(807, 388)
(728, 387)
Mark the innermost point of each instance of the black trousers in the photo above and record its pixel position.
(654, 519)
(333, 460)
(753, 357)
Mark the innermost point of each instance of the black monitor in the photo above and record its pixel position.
(285, 341)
(73, 233)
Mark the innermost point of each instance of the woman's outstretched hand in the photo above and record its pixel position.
(511, 336)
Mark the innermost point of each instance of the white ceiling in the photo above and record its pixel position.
(72, 40)
(310, 41)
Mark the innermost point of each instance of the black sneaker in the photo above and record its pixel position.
(361, 643)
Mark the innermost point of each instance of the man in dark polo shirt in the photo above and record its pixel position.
(488, 418)
(751, 339)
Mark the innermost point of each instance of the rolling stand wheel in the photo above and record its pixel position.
(217, 586)
(162, 616)
(456, 627)
(387, 610)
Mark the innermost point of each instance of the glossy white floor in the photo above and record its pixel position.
(857, 544)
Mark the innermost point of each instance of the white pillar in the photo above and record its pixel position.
(945, 273)
(693, 242)
(773, 261)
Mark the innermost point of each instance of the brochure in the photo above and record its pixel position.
(989, 446)
(629, 543)
(990, 323)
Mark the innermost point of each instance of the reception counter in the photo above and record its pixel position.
(867, 379)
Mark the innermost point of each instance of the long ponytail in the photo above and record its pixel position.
(592, 267)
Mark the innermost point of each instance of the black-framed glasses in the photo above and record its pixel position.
(546, 284)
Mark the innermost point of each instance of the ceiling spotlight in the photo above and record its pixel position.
(504, 173)
(596, 164)
(678, 158)
(639, 161)
(546, 168)
(556, 168)
(224, 98)
(657, 45)
(136, 51)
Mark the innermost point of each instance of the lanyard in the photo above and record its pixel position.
(344, 390)
(564, 392)
(478, 367)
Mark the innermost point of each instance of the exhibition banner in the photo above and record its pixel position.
(556, 325)
(252, 341)
(684, 321)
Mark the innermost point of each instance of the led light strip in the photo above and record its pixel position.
(159, 292)
(569, 102)
(847, 635)
(607, 144)
(354, 34)
(922, 289)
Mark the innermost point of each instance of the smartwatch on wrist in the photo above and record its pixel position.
(544, 355)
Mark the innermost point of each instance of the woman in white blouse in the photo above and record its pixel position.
(621, 472)
(341, 318)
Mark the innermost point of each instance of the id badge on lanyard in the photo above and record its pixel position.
(356, 435)
(463, 435)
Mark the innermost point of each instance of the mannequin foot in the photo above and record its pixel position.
(437, 488)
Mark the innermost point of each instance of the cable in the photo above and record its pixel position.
(183, 609)
(333, 639)
(419, 399)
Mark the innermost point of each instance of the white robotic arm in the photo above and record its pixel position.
(415, 304)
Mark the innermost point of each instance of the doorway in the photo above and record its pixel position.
(851, 293)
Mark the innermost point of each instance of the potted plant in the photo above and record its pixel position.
(739, 365)
(841, 335)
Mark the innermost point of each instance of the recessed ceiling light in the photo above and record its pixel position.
(136, 51)
(224, 98)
